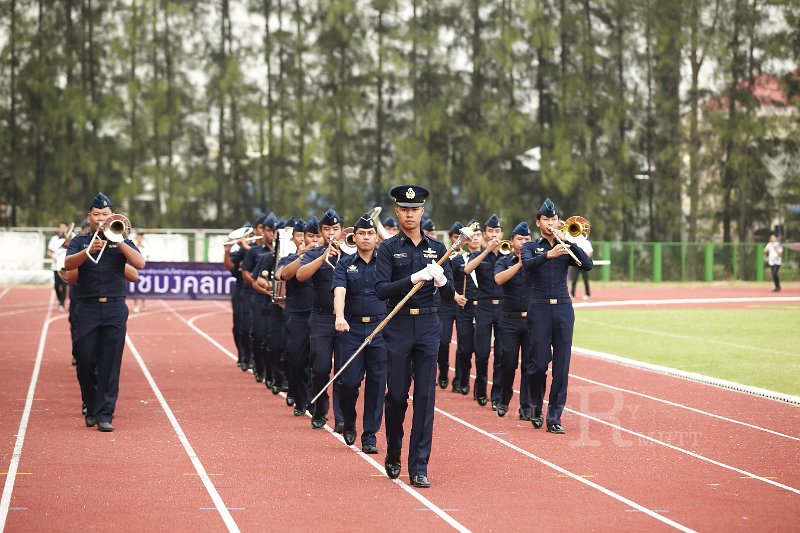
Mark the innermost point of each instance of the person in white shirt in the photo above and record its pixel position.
(774, 252)
(586, 246)
(58, 252)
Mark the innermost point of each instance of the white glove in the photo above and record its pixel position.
(422, 275)
(437, 272)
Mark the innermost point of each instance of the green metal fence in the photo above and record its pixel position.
(676, 261)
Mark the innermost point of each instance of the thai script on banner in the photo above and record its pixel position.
(183, 281)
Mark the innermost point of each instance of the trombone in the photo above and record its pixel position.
(574, 226)
(115, 228)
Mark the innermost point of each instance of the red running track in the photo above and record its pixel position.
(642, 450)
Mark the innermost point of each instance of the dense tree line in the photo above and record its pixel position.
(639, 114)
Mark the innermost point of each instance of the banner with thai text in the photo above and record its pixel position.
(183, 281)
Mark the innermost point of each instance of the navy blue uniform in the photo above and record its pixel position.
(248, 310)
(363, 312)
(298, 308)
(487, 318)
(236, 257)
(323, 339)
(465, 322)
(515, 336)
(551, 319)
(412, 341)
(99, 327)
(262, 329)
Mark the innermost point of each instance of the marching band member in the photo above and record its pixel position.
(316, 266)
(358, 312)
(246, 299)
(232, 261)
(390, 224)
(273, 315)
(550, 314)
(429, 228)
(252, 301)
(298, 306)
(466, 300)
(447, 316)
(515, 337)
(487, 313)
(101, 316)
(412, 337)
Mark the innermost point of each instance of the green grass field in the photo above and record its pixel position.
(758, 345)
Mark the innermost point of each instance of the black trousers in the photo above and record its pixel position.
(297, 353)
(447, 316)
(60, 286)
(775, 279)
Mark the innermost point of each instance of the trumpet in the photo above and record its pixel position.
(241, 234)
(115, 228)
(505, 247)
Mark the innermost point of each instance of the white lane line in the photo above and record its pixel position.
(222, 509)
(689, 301)
(455, 524)
(682, 406)
(11, 473)
(672, 446)
(4, 292)
(23, 311)
(567, 473)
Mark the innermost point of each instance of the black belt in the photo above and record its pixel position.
(103, 299)
(416, 311)
(515, 314)
(551, 301)
(322, 310)
(364, 319)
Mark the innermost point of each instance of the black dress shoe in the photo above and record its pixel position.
(524, 414)
(369, 449)
(456, 387)
(465, 389)
(443, 381)
(243, 366)
(259, 378)
(556, 428)
(289, 401)
(502, 410)
(105, 427)
(537, 421)
(482, 400)
(276, 389)
(339, 427)
(495, 403)
(318, 422)
(269, 383)
(392, 465)
(420, 481)
(284, 388)
(349, 435)
(84, 410)
(90, 421)
(299, 411)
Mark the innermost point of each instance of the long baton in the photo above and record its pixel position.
(394, 311)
